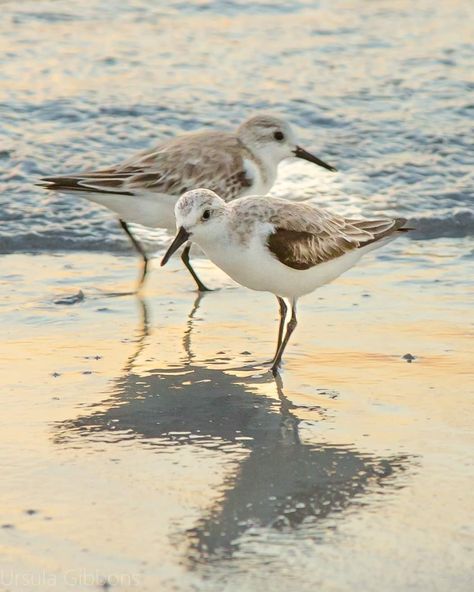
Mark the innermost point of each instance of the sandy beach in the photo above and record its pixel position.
(136, 429)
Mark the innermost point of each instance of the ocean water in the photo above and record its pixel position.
(382, 90)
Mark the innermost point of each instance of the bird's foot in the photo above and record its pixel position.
(203, 288)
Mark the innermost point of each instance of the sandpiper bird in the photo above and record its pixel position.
(277, 246)
(144, 189)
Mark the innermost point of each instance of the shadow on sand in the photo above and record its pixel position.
(277, 480)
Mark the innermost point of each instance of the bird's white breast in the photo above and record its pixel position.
(263, 178)
(255, 267)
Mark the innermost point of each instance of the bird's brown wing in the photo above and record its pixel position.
(302, 250)
(305, 236)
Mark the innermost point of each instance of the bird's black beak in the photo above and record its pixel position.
(302, 153)
(182, 236)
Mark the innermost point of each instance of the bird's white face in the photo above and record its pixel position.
(198, 211)
(269, 137)
(199, 216)
(273, 139)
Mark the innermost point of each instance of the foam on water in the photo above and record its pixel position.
(381, 90)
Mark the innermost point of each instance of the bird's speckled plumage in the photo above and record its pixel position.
(275, 245)
(201, 159)
(303, 235)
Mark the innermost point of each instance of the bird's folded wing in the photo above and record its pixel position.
(177, 165)
(312, 236)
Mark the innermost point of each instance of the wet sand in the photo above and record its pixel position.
(144, 446)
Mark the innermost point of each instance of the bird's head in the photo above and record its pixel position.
(273, 139)
(197, 215)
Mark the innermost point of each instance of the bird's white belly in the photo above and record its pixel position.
(256, 268)
(149, 209)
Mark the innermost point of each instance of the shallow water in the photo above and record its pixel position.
(383, 90)
(144, 444)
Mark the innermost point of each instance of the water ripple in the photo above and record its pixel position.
(380, 89)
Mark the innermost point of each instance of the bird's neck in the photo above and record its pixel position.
(265, 164)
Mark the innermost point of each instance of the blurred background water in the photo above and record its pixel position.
(382, 90)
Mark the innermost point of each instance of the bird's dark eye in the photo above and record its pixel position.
(206, 214)
(279, 136)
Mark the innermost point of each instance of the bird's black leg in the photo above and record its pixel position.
(283, 311)
(139, 249)
(289, 330)
(185, 260)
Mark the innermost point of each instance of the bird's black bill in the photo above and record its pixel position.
(302, 153)
(182, 236)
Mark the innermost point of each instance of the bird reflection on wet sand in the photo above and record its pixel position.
(274, 479)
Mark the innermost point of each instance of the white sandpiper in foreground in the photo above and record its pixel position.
(277, 246)
(144, 189)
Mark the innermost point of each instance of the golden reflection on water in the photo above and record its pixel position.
(180, 414)
(275, 480)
